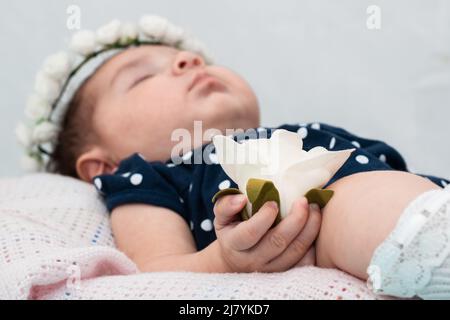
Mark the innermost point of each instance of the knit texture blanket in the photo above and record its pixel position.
(56, 243)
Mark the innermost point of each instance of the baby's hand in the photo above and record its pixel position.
(251, 245)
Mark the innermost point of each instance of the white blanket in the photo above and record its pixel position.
(56, 243)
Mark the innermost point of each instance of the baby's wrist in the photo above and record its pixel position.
(213, 259)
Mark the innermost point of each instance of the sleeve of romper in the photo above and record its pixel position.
(379, 149)
(139, 181)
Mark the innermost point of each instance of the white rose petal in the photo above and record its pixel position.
(109, 33)
(83, 42)
(47, 87)
(58, 66)
(37, 107)
(23, 134)
(281, 160)
(30, 164)
(154, 27)
(128, 32)
(45, 132)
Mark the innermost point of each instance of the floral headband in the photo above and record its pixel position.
(39, 133)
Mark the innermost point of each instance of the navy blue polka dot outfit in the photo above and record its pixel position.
(188, 188)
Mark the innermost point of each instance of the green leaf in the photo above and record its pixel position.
(319, 196)
(225, 192)
(260, 191)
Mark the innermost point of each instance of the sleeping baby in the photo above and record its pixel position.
(383, 224)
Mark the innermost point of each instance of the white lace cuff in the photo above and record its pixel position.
(414, 260)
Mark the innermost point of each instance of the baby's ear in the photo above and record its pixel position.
(93, 163)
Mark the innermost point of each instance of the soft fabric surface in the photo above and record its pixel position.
(56, 243)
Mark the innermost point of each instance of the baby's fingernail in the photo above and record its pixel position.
(304, 202)
(314, 207)
(272, 204)
(238, 199)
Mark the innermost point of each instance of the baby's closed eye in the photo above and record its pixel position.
(137, 80)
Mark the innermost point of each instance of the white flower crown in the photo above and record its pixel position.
(38, 135)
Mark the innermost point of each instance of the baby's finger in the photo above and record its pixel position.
(300, 246)
(309, 259)
(226, 210)
(247, 233)
(279, 238)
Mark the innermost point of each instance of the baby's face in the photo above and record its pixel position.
(143, 94)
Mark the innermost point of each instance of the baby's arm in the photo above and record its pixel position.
(361, 214)
(158, 239)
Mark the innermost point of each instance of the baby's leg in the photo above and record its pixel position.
(363, 211)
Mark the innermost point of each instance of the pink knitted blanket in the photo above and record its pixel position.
(56, 243)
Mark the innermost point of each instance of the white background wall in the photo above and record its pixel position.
(307, 60)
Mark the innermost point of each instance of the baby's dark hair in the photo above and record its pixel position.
(76, 134)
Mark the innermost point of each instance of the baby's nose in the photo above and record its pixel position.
(186, 60)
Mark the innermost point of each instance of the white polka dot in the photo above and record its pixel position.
(206, 225)
(444, 184)
(332, 143)
(181, 200)
(126, 174)
(190, 187)
(187, 155)
(98, 183)
(303, 132)
(170, 165)
(213, 158)
(224, 184)
(356, 144)
(191, 225)
(382, 157)
(136, 179)
(315, 126)
(362, 159)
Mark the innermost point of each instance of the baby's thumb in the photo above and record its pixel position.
(226, 209)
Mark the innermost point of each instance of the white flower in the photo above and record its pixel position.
(193, 45)
(128, 32)
(173, 35)
(23, 134)
(45, 132)
(46, 87)
(37, 107)
(281, 160)
(83, 42)
(58, 66)
(30, 164)
(154, 27)
(109, 33)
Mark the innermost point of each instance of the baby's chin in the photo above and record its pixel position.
(226, 109)
(224, 117)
